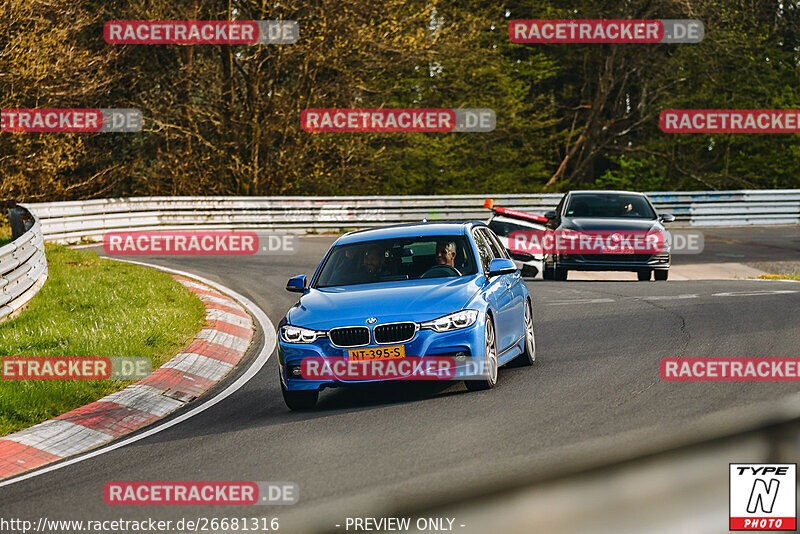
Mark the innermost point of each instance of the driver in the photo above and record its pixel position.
(446, 253)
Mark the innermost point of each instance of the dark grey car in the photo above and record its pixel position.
(607, 211)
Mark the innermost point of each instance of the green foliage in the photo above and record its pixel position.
(790, 276)
(225, 120)
(644, 174)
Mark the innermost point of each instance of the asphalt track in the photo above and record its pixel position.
(594, 395)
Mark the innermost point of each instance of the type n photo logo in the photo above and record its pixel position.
(763, 497)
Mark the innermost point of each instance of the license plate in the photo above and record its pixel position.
(377, 353)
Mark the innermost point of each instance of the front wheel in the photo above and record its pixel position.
(561, 274)
(529, 353)
(489, 377)
(661, 275)
(299, 400)
(644, 275)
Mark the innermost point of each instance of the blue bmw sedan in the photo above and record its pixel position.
(429, 292)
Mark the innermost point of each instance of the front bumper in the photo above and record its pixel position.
(467, 343)
(613, 262)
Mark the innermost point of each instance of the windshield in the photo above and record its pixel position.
(610, 206)
(397, 259)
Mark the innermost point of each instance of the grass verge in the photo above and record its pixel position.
(92, 307)
(793, 276)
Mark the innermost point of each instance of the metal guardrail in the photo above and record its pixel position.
(683, 490)
(675, 479)
(23, 266)
(89, 220)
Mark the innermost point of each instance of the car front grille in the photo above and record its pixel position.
(394, 333)
(349, 336)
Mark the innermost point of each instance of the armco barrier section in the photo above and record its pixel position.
(678, 482)
(23, 269)
(89, 220)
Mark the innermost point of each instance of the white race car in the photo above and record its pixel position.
(506, 221)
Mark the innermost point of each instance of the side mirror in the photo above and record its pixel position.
(550, 214)
(666, 218)
(500, 266)
(296, 284)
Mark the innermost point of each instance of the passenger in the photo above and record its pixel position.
(446, 253)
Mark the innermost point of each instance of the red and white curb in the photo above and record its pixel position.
(213, 353)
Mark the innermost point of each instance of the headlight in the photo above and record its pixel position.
(454, 321)
(296, 334)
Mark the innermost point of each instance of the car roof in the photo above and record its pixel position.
(408, 230)
(606, 192)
